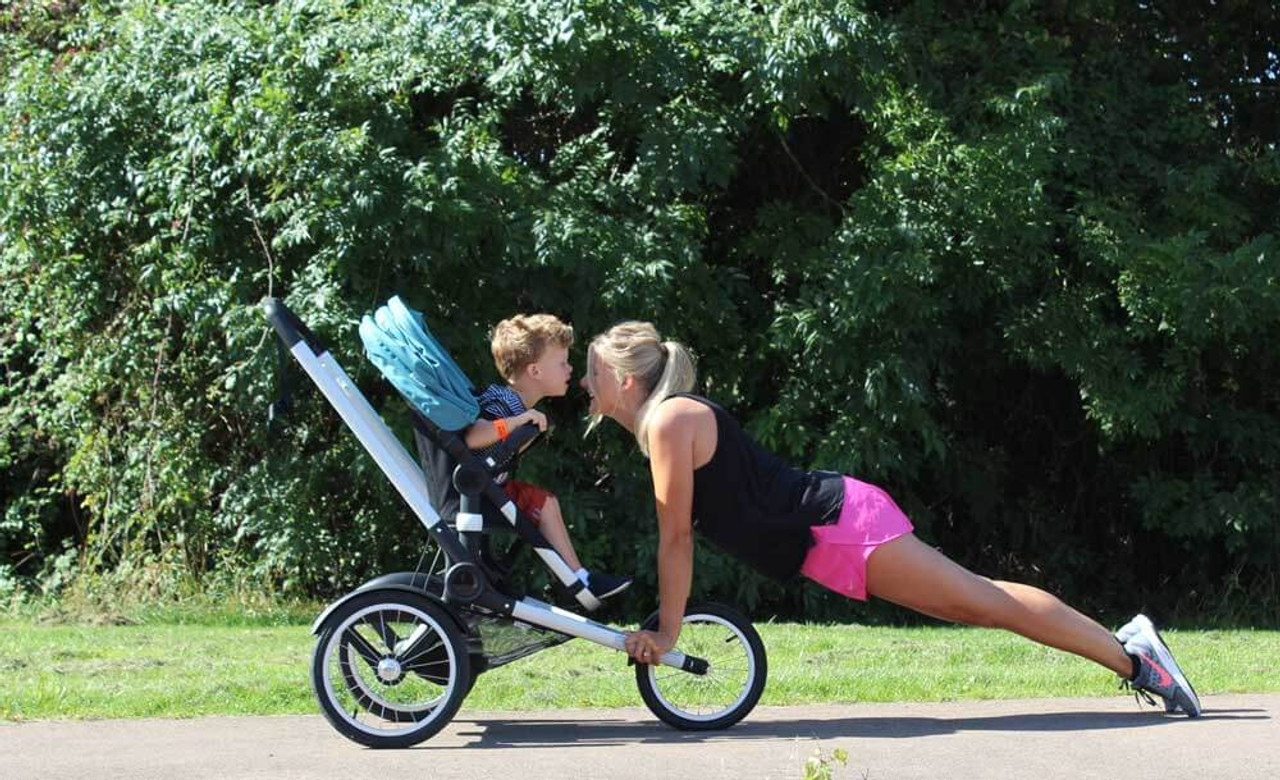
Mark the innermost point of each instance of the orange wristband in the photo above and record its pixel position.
(500, 425)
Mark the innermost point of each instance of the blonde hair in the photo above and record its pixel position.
(518, 341)
(635, 348)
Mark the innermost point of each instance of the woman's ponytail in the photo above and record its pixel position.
(677, 376)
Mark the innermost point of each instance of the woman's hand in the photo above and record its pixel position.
(646, 647)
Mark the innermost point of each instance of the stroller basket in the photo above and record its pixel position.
(506, 640)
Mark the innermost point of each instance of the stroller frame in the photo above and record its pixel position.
(470, 602)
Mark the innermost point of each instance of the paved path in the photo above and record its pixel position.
(1238, 738)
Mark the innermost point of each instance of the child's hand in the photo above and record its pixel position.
(534, 416)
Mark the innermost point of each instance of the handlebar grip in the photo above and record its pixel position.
(513, 444)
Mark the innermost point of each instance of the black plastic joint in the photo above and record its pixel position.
(695, 665)
(290, 329)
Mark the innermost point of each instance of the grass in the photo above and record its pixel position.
(178, 665)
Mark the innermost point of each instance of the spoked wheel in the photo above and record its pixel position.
(736, 673)
(390, 669)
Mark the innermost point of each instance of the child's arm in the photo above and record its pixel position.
(484, 433)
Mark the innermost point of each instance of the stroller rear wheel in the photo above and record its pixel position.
(390, 669)
(735, 678)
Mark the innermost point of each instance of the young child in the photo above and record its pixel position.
(531, 353)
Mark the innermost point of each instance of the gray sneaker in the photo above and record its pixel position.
(1129, 631)
(1158, 673)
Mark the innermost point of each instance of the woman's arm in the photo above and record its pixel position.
(671, 462)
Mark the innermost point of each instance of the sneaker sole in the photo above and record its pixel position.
(1165, 657)
(613, 592)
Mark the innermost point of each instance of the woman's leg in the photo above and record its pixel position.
(912, 574)
(551, 524)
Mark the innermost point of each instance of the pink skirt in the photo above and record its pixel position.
(838, 558)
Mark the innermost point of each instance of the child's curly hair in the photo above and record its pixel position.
(520, 340)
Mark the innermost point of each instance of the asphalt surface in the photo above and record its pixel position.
(1238, 737)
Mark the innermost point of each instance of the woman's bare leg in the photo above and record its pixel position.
(552, 527)
(912, 574)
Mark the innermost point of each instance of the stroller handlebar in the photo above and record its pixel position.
(514, 444)
(290, 329)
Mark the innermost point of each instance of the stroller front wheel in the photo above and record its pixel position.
(735, 678)
(390, 669)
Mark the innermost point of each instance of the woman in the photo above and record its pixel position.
(844, 534)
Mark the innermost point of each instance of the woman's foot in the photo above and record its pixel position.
(1157, 672)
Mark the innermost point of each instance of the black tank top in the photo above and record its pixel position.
(753, 506)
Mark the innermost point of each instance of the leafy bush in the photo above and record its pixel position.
(1017, 264)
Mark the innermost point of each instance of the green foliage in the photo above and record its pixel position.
(1017, 264)
(820, 766)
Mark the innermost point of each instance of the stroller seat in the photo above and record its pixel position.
(461, 484)
(438, 455)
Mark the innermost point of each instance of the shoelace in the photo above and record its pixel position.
(1138, 692)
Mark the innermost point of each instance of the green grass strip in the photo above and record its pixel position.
(167, 670)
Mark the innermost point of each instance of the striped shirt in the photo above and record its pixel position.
(496, 402)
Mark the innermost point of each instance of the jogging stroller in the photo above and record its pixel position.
(395, 658)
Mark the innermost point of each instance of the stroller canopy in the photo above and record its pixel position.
(397, 341)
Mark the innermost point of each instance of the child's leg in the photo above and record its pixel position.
(912, 574)
(551, 524)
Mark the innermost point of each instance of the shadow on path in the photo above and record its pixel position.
(501, 733)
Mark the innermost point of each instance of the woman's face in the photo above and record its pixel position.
(601, 384)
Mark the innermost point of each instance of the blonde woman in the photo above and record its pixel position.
(842, 533)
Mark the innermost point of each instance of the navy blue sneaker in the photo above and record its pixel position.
(602, 585)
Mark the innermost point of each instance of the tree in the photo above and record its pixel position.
(1015, 262)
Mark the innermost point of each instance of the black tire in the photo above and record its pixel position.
(716, 634)
(390, 669)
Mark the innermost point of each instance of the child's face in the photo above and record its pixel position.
(552, 372)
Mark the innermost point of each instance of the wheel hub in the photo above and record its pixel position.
(389, 670)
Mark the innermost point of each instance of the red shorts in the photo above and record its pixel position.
(838, 558)
(529, 499)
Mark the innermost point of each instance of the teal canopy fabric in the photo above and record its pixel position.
(398, 342)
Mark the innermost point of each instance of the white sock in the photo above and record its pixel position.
(581, 574)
